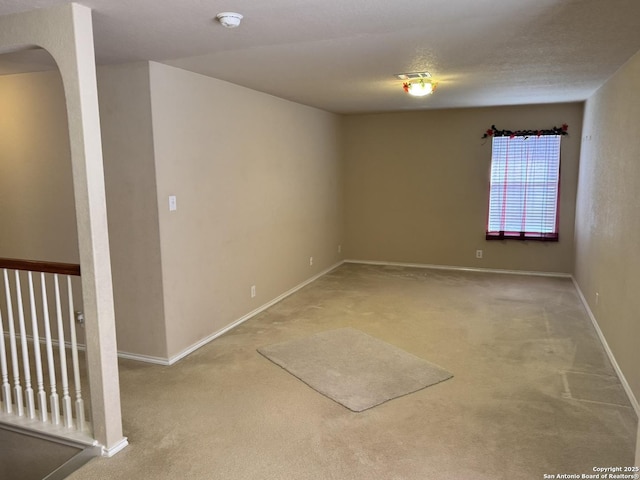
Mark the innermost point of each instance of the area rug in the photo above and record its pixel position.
(353, 368)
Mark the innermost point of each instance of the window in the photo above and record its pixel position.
(525, 177)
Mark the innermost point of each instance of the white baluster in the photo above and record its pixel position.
(66, 399)
(53, 397)
(17, 388)
(42, 396)
(17, 393)
(74, 357)
(28, 390)
(6, 388)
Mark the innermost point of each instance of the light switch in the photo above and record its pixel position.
(173, 206)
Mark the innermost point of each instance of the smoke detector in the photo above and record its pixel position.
(229, 19)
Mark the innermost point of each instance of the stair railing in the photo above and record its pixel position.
(30, 317)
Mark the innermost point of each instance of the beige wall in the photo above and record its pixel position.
(608, 219)
(257, 181)
(37, 210)
(417, 187)
(127, 138)
(36, 190)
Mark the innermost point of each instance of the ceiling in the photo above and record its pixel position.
(341, 55)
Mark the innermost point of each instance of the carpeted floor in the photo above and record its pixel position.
(525, 400)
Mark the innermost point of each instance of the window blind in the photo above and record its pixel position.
(525, 175)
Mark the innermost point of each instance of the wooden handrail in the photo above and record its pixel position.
(38, 266)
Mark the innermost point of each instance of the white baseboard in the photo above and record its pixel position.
(612, 359)
(118, 447)
(249, 315)
(462, 269)
(144, 358)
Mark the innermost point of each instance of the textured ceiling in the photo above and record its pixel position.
(341, 55)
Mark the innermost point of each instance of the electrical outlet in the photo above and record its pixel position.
(478, 253)
(339, 248)
(253, 291)
(310, 261)
(173, 204)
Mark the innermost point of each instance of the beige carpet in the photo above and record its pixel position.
(587, 387)
(353, 368)
(226, 413)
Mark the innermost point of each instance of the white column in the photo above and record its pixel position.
(88, 181)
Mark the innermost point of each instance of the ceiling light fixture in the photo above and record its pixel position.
(229, 19)
(419, 88)
(418, 84)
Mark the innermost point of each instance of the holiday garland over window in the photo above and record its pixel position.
(494, 132)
